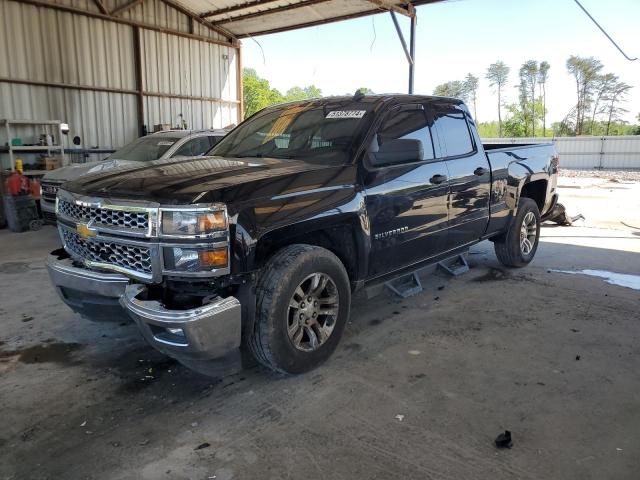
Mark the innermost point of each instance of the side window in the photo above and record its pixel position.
(214, 140)
(193, 147)
(403, 138)
(453, 131)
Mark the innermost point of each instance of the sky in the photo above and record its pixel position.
(453, 38)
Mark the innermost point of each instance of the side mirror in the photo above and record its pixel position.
(398, 150)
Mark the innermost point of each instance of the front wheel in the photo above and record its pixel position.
(518, 246)
(302, 304)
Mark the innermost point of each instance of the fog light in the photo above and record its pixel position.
(213, 258)
(198, 259)
(176, 331)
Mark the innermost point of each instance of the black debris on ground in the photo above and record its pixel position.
(504, 440)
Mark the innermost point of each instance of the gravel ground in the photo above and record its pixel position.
(615, 175)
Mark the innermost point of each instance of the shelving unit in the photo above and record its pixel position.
(12, 150)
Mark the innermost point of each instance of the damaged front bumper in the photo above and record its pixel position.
(205, 332)
(209, 331)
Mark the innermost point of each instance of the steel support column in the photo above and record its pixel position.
(410, 51)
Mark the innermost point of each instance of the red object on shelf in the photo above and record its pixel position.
(17, 184)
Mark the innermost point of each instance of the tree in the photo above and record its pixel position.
(365, 90)
(543, 76)
(518, 123)
(257, 92)
(298, 93)
(602, 87)
(471, 88)
(585, 71)
(455, 88)
(498, 75)
(616, 95)
(528, 82)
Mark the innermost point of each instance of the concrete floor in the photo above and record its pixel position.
(419, 388)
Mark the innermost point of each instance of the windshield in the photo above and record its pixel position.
(145, 149)
(323, 132)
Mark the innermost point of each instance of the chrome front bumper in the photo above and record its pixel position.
(203, 333)
(210, 331)
(94, 295)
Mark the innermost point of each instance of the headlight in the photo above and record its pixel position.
(193, 223)
(195, 259)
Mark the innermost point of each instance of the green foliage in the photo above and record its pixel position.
(488, 129)
(471, 83)
(585, 71)
(523, 119)
(297, 93)
(498, 75)
(365, 90)
(455, 88)
(258, 94)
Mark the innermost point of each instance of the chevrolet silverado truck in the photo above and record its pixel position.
(259, 246)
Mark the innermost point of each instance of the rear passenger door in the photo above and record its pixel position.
(406, 191)
(469, 173)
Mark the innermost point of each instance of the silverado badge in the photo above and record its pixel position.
(84, 231)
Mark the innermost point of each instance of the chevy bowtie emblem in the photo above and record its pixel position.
(84, 231)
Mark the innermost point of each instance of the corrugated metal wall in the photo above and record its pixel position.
(45, 45)
(622, 152)
(180, 66)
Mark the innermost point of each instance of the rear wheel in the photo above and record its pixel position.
(519, 245)
(303, 300)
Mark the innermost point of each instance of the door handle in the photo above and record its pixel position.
(438, 179)
(480, 171)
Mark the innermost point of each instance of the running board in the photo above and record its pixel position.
(406, 285)
(454, 266)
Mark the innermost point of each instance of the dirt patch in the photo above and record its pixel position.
(493, 275)
(49, 352)
(146, 369)
(14, 267)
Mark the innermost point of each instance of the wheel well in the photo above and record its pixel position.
(339, 240)
(537, 191)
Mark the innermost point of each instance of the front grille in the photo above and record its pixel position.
(49, 191)
(131, 257)
(49, 217)
(119, 219)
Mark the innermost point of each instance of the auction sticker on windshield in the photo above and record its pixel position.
(346, 114)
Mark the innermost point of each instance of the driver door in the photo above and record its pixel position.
(406, 191)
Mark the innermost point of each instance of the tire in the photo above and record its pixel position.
(295, 269)
(510, 249)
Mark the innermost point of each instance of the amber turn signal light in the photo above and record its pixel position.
(212, 221)
(213, 258)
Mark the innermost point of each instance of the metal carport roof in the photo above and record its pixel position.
(245, 18)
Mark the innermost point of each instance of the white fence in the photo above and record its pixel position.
(588, 153)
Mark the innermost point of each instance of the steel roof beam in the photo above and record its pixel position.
(206, 23)
(281, 9)
(126, 6)
(235, 8)
(101, 7)
(392, 7)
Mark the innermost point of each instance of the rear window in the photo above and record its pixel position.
(145, 149)
(453, 131)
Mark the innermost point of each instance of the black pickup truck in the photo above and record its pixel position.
(259, 246)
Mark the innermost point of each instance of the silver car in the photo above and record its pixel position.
(160, 145)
